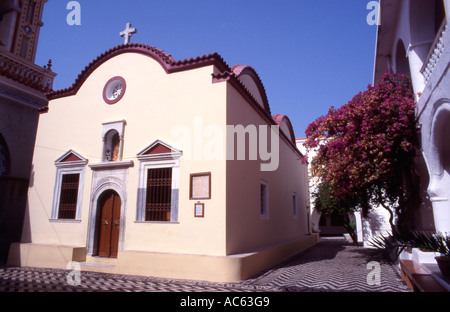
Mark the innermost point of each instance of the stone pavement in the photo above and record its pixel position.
(331, 266)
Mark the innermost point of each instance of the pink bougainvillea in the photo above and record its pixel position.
(363, 147)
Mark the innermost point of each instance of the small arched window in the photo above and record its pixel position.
(112, 146)
(113, 141)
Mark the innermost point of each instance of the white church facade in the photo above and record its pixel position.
(152, 166)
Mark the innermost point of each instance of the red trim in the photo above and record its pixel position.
(124, 88)
(164, 59)
(240, 70)
(225, 73)
(71, 157)
(279, 119)
(158, 149)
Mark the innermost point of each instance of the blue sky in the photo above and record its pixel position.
(310, 54)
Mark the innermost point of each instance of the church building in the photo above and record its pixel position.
(151, 166)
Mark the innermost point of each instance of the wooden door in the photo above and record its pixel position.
(109, 225)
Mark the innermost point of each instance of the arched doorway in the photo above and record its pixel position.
(108, 225)
(438, 159)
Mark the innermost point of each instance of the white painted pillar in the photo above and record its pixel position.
(441, 213)
(415, 56)
(359, 228)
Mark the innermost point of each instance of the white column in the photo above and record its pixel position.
(359, 228)
(415, 56)
(121, 148)
(441, 213)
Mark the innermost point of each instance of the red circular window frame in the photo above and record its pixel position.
(124, 88)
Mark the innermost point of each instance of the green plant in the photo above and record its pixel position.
(327, 204)
(443, 245)
(391, 246)
(388, 248)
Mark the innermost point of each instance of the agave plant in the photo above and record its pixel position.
(392, 245)
(443, 245)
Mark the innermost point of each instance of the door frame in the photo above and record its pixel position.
(111, 244)
(110, 185)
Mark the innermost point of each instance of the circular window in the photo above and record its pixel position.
(114, 90)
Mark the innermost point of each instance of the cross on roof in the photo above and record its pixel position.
(127, 33)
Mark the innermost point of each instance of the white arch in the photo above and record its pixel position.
(437, 156)
(440, 122)
(106, 184)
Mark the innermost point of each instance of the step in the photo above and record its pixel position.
(97, 264)
(100, 260)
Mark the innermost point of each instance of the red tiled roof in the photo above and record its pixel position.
(239, 70)
(279, 119)
(225, 73)
(163, 58)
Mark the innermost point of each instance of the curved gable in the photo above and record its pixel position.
(164, 59)
(285, 125)
(245, 75)
(251, 80)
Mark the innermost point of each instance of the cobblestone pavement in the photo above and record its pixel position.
(331, 266)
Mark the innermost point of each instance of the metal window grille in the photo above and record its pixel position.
(159, 194)
(69, 196)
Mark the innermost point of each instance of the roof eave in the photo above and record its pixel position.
(386, 31)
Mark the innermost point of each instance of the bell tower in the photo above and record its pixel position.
(23, 89)
(20, 23)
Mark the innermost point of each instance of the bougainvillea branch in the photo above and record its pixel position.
(364, 147)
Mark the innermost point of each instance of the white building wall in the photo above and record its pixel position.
(428, 57)
(375, 224)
